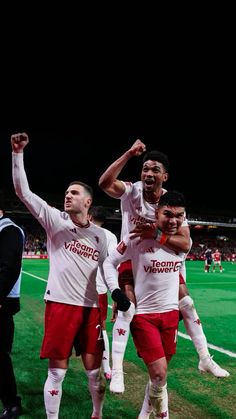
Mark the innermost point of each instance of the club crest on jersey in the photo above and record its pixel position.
(121, 248)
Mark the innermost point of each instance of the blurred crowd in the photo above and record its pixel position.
(35, 243)
(225, 245)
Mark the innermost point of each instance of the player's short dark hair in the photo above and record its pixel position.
(172, 199)
(88, 188)
(98, 213)
(157, 156)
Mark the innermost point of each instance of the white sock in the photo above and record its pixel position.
(53, 391)
(193, 326)
(120, 335)
(106, 354)
(146, 409)
(97, 391)
(159, 399)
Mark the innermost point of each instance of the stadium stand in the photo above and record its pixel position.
(208, 228)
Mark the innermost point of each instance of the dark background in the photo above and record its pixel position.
(201, 156)
(103, 84)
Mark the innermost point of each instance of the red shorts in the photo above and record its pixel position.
(125, 274)
(155, 335)
(68, 325)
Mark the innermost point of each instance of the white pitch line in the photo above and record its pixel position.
(216, 348)
(182, 335)
(211, 283)
(34, 276)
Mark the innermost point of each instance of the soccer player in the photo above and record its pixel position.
(138, 203)
(11, 249)
(216, 256)
(156, 285)
(97, 215)
(76, 248)
(208, 259)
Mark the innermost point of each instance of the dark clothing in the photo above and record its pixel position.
(208, 256)
(8, 390)
(11, 249)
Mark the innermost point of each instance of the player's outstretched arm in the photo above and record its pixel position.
(108, 182)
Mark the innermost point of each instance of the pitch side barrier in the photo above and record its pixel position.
(33, 256)
(211, 223)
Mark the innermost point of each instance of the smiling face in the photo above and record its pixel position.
(153, 175)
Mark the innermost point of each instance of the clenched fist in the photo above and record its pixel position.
(19, 141)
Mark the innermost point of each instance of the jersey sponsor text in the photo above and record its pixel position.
(162, 266)
(82, 249)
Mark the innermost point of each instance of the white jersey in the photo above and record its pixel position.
(155, 270)
(74, 252)
(111, 245)
(134, 209)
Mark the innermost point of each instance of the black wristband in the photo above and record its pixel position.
(123, 303)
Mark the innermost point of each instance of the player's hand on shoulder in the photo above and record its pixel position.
(143, 232)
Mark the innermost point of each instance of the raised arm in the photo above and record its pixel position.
(108, 182)
(39, 208)
(18, 143)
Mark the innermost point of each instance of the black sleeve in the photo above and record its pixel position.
(123, 303)
(11, 248)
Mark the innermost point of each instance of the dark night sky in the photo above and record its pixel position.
(175, 92)
(201, 169)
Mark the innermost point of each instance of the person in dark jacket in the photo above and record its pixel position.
(11, 249)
